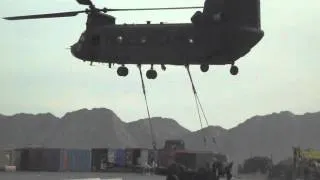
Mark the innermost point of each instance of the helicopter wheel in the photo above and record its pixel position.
(122, 71)
(204, 67)
(234, 70)
(151, 74)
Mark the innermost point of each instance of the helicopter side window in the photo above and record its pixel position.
(217, 17)
(95, 40)
(191, 41)
(143, 39)
(119, 39)
(82, 37)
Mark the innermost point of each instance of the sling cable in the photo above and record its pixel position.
(154, 145)
(199, 107)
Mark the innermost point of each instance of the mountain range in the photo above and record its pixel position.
(269, 135)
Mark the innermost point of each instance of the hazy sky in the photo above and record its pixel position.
(38, 74)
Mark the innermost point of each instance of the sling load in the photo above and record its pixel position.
(199, 107)
(153, 141)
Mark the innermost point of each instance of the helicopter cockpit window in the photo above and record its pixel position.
(82, 37)
(95, 40)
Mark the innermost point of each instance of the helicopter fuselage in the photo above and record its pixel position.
(173, 44)
(223, 32)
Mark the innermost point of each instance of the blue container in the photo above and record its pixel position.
(76, 160)
(120, 157)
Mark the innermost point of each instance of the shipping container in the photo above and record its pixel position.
(143, 159)
(152, 156)
(129, 157)
(5, 158)
(37, 159)
(99, 159)
(165, 157)
(120, 158)
(31, 159)
(51, 159)
(111, 156)
(24, 158)
(75, 160)
(17, 158)
(139, 156)
(135, 156)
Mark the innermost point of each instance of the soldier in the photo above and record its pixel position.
(214, 171)
(182, 172)
(228, 171)
(172, 172)
(201, 174)
(219, 166)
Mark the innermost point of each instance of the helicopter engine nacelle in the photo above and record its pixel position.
(100, 19)
(213, 11)
(197, 18)
(239, 13)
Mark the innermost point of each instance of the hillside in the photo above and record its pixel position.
(96, 128)
(164, 128)
(22, 130)
(274, 134)
(203, 139)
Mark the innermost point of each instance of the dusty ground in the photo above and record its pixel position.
(93, 176)
(66, 176)
(252, 177)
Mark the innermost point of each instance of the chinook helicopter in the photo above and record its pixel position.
(223, 32)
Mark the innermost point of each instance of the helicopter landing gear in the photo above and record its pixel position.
(163, 67)
(204, 67)
(151, 73)
(122, 71)
(234, 70)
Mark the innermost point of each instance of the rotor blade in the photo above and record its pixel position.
(52, 15)
(148, 9)
(85, 2)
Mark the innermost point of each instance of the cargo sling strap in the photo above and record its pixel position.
(198, 105)
(154, 145)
